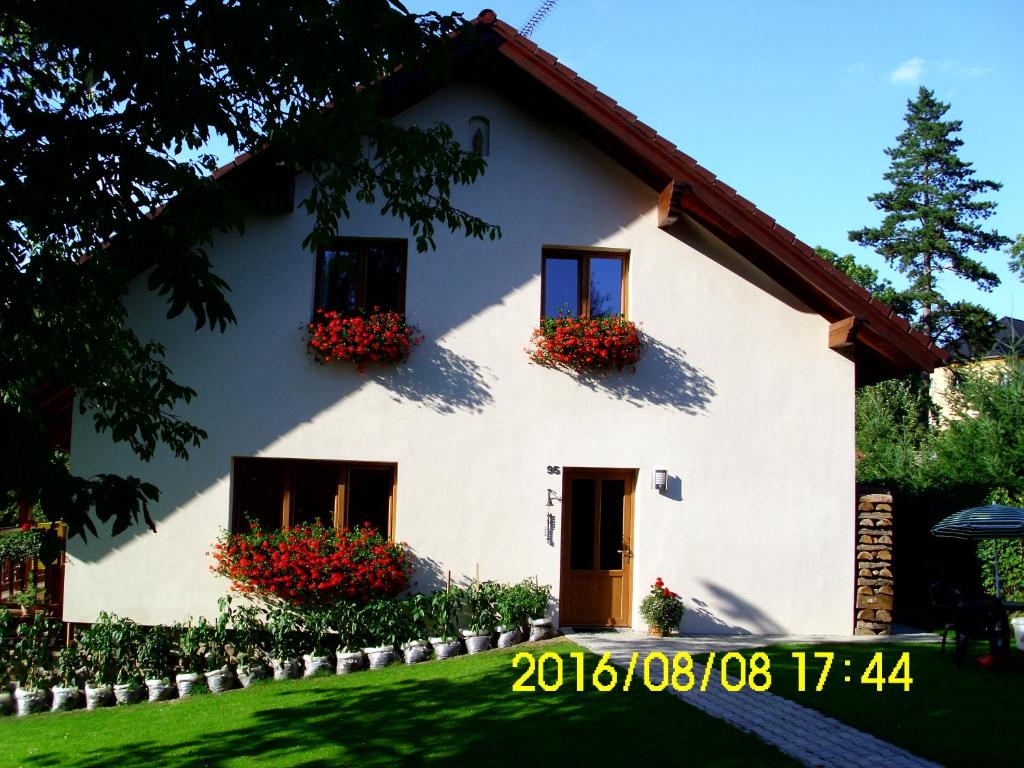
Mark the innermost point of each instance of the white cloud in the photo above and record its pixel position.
(978, 71)
(907, 72)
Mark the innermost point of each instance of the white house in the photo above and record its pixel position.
(490, 466)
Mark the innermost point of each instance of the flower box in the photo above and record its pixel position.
(587, 344)
(384, 338)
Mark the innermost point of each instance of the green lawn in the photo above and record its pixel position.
(461, 712)
(966, 718)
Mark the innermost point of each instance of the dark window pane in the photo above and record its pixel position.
(581, 534)
(259, 494)
(605, 287)
(369, 497)
(339, 280)
(561, 287)
(384, 274)
(612, 494)
(314, 492)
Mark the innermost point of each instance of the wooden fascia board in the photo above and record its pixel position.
(842, 333)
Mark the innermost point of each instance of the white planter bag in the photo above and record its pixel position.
(507, 637)
(127, 693)
(185, 681)
(349, 661)
(317, 665)
(1018, 631)
(445, 647)
(540, 629)
(476, 641)
(250, 673)
(30, 700)
(380, 656)
(100, 696)
(159, 689)
(219, 680)
(414, 651)
(286, 669)
(65, 698)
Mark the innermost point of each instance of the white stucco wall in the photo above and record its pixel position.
(739, 396)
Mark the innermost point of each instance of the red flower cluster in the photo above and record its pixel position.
(312, 565)
(659, 586)
(587, 343)
(381, 337)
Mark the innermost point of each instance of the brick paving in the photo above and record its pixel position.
(802, 733)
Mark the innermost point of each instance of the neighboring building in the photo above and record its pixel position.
(469, 453)
(1009, 341)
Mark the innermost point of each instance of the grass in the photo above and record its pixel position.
(965, 718)
(439, 712)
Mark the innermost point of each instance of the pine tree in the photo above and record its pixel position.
(932, 224)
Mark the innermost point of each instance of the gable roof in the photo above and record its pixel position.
(881, 342)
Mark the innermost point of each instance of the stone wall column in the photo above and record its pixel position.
(873, 607)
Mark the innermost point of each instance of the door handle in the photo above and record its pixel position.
(625, 552)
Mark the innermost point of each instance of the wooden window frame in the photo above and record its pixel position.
(583, 257)
(341, 499)
(362, 245)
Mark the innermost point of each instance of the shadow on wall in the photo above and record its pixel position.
(739, 617)
(663, 377)
(439, 379)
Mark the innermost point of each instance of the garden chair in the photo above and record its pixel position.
(981, 618)
(943, 600)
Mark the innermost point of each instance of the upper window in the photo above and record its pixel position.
(583, 283)
(355, 275)
(279, 493)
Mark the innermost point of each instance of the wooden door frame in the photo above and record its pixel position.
(601, 473)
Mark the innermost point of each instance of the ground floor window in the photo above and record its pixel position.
(280, 493)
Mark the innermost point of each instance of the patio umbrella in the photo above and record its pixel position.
(993, 521)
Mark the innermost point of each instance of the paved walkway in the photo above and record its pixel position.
(802, 733)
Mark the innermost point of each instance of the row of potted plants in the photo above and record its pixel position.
(118, 661)
(580, 344)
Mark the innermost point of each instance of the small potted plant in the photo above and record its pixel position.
(383, 625)
(284, 643)
(482, 618)
(100, 650)
(6, 695)
(156, 660)
(34, 658)
(68, 673)
(350, 653)
(415, 649)
(191, 662)
(219, 675)
(513, 604)
(249, 639)
(125, 636)
(319, 660)
(662, 609)
(445, 607)
(537, 598)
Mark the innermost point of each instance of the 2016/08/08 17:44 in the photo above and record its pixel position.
(735, 672)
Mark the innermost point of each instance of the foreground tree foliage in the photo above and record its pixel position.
(932, 224)
(104, 117)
